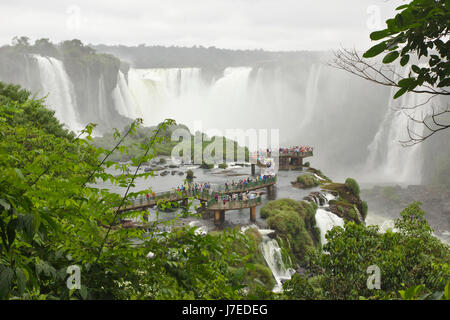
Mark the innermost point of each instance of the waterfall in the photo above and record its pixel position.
(102, 105)
(167, 93)
(325, 220)
(312, 91)
(274, 259)
(388, 160)
(182, 93)
(56, 83)
(123, 99)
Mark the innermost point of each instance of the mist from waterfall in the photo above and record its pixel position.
(389, 160)
(339, 115)
(56, 83)
(240, 97)
(182, 94)
(345, 119)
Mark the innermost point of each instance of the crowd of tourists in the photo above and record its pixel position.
(237, 196)
(295, 149)
(261, 153)
(242, 183)
(194, 187)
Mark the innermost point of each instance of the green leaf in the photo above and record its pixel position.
(447, 291)
(377, 35)
(415, 68)
(21, 281)
(25, 223)
(6, 278)
(402, 7)
(390, 57)
(11, 231)
(83, 292)
(407, 82)
(404, 60)
(444, 83)
(375, 50)
(399, 93)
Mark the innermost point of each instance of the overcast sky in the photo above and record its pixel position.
(234, 24)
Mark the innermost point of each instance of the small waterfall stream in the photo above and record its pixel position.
(274, 259)
(273, 256)
(325, 220)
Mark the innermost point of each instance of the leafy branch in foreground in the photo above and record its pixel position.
(417, 51)
(54, 213)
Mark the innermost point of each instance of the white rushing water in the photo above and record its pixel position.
(185, 95)
(312, 91)
(389, 160)
(56, 83)
(326, 220)
(124, 101)
(274, 259)
(102, 104)
(273, 256)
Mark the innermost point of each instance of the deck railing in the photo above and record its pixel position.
(233, 204)
(296, 154)
(204, 194)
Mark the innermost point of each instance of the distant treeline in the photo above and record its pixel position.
(143, 56)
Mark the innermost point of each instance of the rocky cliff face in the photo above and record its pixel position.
(90, 80)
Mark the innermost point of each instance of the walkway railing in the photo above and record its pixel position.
(204, 194)
(251, 185)
(296, 154)
(233, 204)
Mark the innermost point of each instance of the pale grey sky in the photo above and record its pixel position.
(234, 24)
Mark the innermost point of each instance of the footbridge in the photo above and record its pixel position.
(212, 201)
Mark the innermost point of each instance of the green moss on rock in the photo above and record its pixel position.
(306, 181)
(294, 222)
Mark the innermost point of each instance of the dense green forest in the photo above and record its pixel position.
(51, 219)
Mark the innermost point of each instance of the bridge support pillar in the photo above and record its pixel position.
(145, 216)
(270, 189)
(219, 217)
(185, 202)
(253, 169)
(206, 214)
(253, 214)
